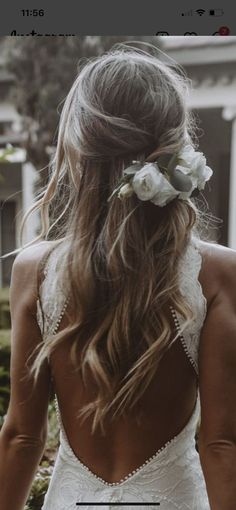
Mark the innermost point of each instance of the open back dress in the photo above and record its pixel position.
(172, 479)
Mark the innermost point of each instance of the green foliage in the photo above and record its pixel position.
(53, 430)
(5, 153)
(5, 338)
(5, 319)
(4, 372)
(45, 68)
(39, 488)
(4, 294)
(5, 323)
(42, 478)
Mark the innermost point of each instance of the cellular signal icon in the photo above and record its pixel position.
(200, 12)
(187, 13)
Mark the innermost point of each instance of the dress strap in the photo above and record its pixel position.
(40, 278)
(52, 293)
(54, 297)
(191, 289)
(42, 267)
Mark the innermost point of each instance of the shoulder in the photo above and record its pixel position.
(218, 258)
(28, 258)
(25, 273)
(218, 272)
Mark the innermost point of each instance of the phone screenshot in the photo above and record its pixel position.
(117, 256)
(118, 18)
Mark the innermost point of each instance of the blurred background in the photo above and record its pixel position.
(36, 74)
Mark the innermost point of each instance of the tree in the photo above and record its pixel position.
(45, 68)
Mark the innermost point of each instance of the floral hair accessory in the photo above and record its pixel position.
(184, 176)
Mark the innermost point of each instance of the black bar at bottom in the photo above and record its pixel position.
(119, 504)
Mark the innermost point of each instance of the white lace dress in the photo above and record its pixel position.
(172, 478)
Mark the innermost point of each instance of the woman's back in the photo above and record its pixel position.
(122, 190)
(169, 407)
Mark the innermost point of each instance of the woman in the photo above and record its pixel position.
(125, 310)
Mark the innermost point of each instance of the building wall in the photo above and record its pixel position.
(215, 143)
(210, 63)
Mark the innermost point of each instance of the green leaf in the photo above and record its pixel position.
(7, 152)
(173, 163)
(132, 169)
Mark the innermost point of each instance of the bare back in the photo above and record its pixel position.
(166, 407)
(195, 379)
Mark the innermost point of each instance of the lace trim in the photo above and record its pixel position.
(199, 259)
(191, 289)
(50, 313)
(164, 449)
(57, 324)
(186, 349)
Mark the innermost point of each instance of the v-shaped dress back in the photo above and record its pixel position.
(172, 478)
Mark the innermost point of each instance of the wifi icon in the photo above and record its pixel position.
(201, 11)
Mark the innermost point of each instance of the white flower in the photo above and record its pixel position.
(147, 181)
(165, 195)
(150, 184)
(189, 172)
(193, 164)
(125, 191)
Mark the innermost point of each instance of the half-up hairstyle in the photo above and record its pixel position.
(122, 255)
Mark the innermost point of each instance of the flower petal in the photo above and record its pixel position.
(165, 194)
(147, 181)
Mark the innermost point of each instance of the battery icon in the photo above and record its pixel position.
(216, 12)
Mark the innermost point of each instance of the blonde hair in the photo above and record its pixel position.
(122, 256)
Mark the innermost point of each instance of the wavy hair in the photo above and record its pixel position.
(122, 255)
